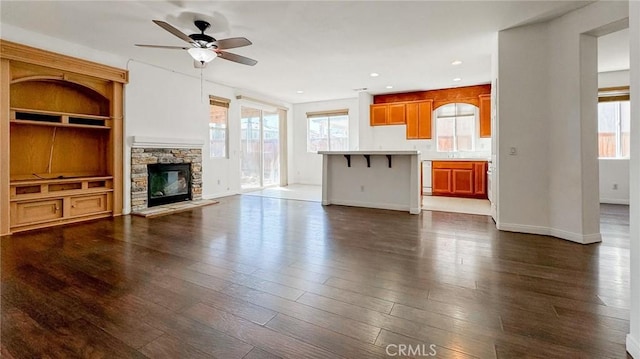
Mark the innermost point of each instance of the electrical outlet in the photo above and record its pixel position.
(513, 151)
(361, 188)
(615, 186)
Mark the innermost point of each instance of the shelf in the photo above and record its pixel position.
(35, 190)
(59, 194)
(58, 119)
(57, 124)
(54, 113)
(40, 181)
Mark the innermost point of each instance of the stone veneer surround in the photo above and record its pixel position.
(141, 157)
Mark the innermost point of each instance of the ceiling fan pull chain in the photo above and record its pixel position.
(201, 87)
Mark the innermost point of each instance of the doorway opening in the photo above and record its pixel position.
(614, 127)
(260, 142)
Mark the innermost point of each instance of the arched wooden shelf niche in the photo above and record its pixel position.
(58, 96)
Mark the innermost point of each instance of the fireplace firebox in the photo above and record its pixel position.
(168, 183)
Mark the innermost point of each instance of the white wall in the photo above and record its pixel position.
(613, 78)
(614, 172)
(522, 124)
(547, 109)
(307, 166)
(167, 104)
(633, 338)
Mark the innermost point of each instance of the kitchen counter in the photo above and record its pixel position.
(374, 179)
(373, 153)
(457, 159)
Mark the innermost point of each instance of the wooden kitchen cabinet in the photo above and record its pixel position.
(387, 114)
(441, 181)
(462, 181)
(379, 114)
(485, 115)
(397, 115)
(459, 178)
(418, 118)
(480, 179)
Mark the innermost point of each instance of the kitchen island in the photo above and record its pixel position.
(374, 179)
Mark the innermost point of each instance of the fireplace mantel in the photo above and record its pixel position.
(163, 142)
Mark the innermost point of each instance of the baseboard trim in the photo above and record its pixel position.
(633, 347)
(219, 195)
(614, 201)
(554, 232)
(391, 206)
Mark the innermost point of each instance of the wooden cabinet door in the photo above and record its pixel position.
(412, 121)
(480, 178)
(379, 114)
(88, 204)
(485, 115)
(34, 212)
(425, 108)
(462, 181)
(441, 181)
(396, 112)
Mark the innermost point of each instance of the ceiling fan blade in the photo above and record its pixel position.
(173, 30)
(165, 47)
(232, 43)
(236, 58)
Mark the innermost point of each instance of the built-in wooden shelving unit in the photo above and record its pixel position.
(60, 139)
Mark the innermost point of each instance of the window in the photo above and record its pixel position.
(455, 127)
(218, 127)
(614, 122)
(328, 131)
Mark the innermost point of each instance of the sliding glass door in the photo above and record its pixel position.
(260, 139)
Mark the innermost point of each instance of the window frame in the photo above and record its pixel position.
(328, 115)
(224, 103)
(455, 117)
(617, 95)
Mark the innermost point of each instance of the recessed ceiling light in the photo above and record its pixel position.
(389, 87)
(457, 79)
(456, 62)
(374, 74)
(299, 91)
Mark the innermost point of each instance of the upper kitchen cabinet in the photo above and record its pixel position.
(388, 114)
(485, 115)
(418, 117)
(415, 108)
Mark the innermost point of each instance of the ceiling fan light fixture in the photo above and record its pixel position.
(202, 55)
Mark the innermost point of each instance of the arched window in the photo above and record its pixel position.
(456, 127)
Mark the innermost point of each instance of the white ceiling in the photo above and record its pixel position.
(325, 48)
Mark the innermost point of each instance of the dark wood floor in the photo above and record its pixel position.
(256, 277)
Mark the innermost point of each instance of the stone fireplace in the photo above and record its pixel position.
(168, 183)
(184, 168)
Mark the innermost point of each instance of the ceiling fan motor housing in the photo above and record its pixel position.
(202, 39)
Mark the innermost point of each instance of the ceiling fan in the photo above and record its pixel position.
(205, 48)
